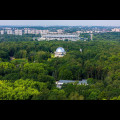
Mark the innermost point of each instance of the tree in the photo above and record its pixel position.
(21, 54)
(4, 55)
(47, 79)
(30, 68)
(103, 95)
(42, 95)
(6, 68)
(75, 96)
(41, 56)
(65, 75)
(20, 89)
(90, 81)
(56, 94)
(68, 88)
(93, 96)
(11, 76)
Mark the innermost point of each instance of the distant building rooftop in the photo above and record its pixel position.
(61, 82)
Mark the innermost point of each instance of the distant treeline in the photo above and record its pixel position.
(107, 36)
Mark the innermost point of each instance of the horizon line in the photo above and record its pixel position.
(66, 25)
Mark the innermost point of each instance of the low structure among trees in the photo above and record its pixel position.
(61, 82)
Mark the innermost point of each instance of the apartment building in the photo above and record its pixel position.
(9, 32)
(18, 32)
(116, 30)
(2, 32)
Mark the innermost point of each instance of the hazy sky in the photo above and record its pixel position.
(62, 22)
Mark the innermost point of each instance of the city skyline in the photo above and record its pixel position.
(60, 23)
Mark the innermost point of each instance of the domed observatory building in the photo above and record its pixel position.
(60, 52)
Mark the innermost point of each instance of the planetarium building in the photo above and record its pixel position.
(60, 52)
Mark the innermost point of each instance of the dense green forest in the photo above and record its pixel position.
(28, 70)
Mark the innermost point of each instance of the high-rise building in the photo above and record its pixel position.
(2, 32)
(60, 31)
(18, 32)
(116, 30)
(9, 32)
(91, 36)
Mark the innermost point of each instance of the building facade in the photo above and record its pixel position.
(72, 37)
(116, 30)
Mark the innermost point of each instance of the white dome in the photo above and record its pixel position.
(60, 49)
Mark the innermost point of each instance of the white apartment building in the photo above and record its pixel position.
(9, 32)
(78, 32)
(60, 31)
(33, 32)
(28, 31)
(2, 32)
(37, 32)
(7, 28)
(25, 31)
(44, 31)
(18, 32)
(116, 30)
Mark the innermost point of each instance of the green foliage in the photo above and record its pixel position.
(20, 89)
(4, 55)
(34, 71)
(90, 81)
(93, 96)
(41, 56)
(19, 61)
(6, 67)
(75, 96)
(30, 68)
(56, 94)
(107, 36)
(21, 54)
(85, 35)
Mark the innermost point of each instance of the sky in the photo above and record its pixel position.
(62, 22)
